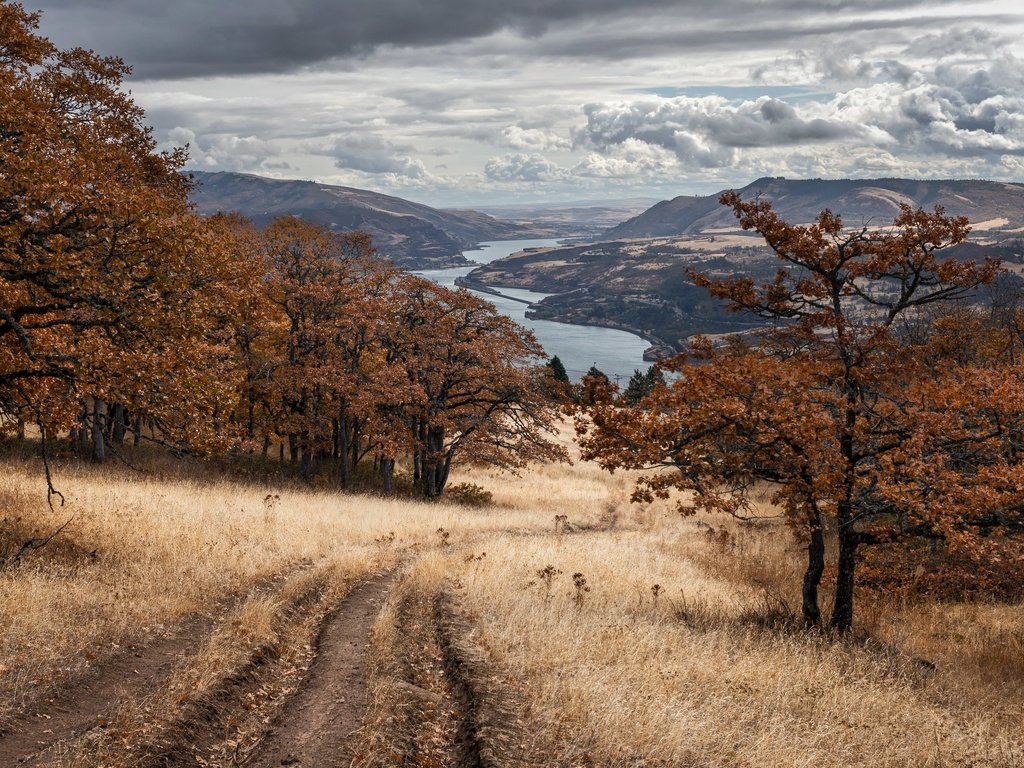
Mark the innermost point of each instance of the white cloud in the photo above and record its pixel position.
(536, 139)
(522, 167)
(660, 102)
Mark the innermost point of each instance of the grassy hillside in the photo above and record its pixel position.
(558, 625)
(993, 207)
(413, 235)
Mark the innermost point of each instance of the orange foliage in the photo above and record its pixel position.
(118, 303)
(107, 280)
(862, 429)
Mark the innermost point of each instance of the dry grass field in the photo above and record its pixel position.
(182, 612)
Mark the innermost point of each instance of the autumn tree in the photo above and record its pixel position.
(859, 430)
(106, 277)
(476, 385)
(316, 282)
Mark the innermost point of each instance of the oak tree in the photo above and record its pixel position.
(107, 279)
(858, 429)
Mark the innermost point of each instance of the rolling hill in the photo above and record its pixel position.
(412, 235)
(992, 206)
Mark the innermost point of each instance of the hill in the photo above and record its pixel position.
(991, 206)
(632, 277)
(306, 624)
(412, 235)
(586, 218)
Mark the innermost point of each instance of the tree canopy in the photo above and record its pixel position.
(121, 310)
(860, 428)
(105, 275)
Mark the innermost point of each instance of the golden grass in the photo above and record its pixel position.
(690, 678)
(145, 550)
(665, 656)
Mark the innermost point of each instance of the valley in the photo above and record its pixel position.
(633, 276)
(621, 264)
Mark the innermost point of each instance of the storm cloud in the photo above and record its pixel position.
(196, 38)
(458, 102)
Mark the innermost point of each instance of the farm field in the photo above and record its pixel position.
(185, 617)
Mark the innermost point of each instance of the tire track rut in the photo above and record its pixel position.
(315, 729)
(49, 725)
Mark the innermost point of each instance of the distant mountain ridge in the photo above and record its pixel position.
(859, 201)
(412, 235)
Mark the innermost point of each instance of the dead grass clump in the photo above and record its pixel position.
(144, 551)
(630, 677)
(469, 495)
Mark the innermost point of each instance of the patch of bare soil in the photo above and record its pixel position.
(218, 699)
(436, 698)
(39, 735)
(315, 728)
(53, 722)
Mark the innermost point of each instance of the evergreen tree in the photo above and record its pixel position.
(642, 384)
(558, 370)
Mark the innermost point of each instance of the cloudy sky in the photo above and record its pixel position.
(468, 102)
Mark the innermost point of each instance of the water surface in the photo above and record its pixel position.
(617, 353)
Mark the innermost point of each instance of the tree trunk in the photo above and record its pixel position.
(842, 609)
(250, 422)
(307, 458)
(118, 430)
(84, 432)
(21, 428)
(442, 479)
(435, 465)
(99, 453)
(137, 431)
(387, 470)
(342, 447)
(812, 577)
(355, 444)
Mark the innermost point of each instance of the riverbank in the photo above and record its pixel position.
(659, 349)
(616, 351)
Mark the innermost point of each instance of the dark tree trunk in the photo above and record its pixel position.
(842, 608)
(84, 432)
(119, 427)
(250, 423)
(387, 471)
(266, 445)
(355, 444)
(417, 452)
(21, 428)
(442, 479)
(342, 447)
(293, 448)
(812, 577)
(137, 431)
(435, 463)
(307, 459)
(99, 453)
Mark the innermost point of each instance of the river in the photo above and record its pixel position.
(617, 353)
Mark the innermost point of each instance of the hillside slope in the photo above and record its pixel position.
(411, 234)
(990, 205)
